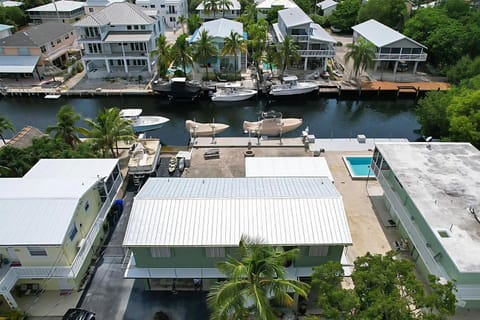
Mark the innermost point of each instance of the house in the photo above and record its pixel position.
(170, 11)
(59, 11)
(265, 6)
(327, 6)
(5, 30)
(431, 192)
(92, 6)
(179, 229)
(24, 138)
(231, 12)
(220, 29)
(117, 40)
(316, 46)
(33, 52)
(52, 223)
(391, 47)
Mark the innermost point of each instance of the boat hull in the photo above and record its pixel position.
(198, 129)
(286, 90)
(272, 127)
(148, 123)
(239, 95)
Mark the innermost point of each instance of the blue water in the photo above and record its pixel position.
(360, 166)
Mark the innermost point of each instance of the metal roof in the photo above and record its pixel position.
(219, 28)
(442, 180)
(268, 4)
(130, 37)
(118, 13)
(294, 17)
(18, 64)
(61, 6)
(72, 168)
(319, 33)
(326, 4)
(218, 211)
(234, 5)
(287, 167)
(379, 34)
(37, 35)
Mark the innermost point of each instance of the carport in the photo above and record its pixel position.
(18, 65)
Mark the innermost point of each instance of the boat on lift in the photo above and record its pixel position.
(233, 92)
(142, 123)
(199, 129)
(292, 86)
(272, 123)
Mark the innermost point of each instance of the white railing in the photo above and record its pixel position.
(115, 55)
(398, 56)
(300, 38)
(317, 53)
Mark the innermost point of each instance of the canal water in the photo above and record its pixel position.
(326, 118)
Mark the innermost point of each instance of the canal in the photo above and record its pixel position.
(326, 118)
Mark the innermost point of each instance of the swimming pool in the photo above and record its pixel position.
(359, 167)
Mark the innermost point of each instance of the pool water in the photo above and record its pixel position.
(359, 166)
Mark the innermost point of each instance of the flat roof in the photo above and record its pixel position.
(218, 211)
(443, 180)
(72, 168)
(287, 167)
(18, 64)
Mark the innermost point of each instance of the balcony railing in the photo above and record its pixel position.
(300, 38)
(398, 56)
(115, 55)
(326, 53)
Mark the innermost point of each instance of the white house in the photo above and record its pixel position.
(117, 41)
(169, 10)
(232, 12)
(327, 6)
(316, 45)
(59, 11)
(92, 6)
(263, 6)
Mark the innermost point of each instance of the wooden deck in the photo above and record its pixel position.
(394, 86)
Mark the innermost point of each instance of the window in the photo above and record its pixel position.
(52, 44)
(59, 41)
(129, 27)
(67, 36)
(215, 252)
(143, 27)
(160, 252)
(162, 6)
(90, 9)
(87, 205)
(37, 251)
(72, 232)
(318, 251)
(135, 27)
(152, 6)
(43, 49)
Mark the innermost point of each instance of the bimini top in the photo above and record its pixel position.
(130, 113)
(218, 211)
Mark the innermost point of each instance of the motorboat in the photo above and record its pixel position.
(272, 123)
(52, 96)
(142, 123)
(292, 86)
(144, 157)
(233, 92)
(179, 88)
(199, 129)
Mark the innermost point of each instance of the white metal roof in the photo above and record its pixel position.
(268, 4)
(319, 33)
(72, 168)
(379, 34)
(234, 5)
(130, 37)
(18, 64)
(118, 13)
(219, 28)
(287, 167)
(294, 17)
(442, 181)
(218, 211)
(326, 4)
(61, 6)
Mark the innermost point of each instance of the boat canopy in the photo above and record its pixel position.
(179, 79)
(233, 85)
(290, 79)
(129, 113)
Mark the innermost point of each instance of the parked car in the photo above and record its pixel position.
(78, 314)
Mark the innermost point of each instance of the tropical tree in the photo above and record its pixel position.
(392, 13)
(256, 44)
(163, 53)
(182, 20)
(232, 46)
(107, 129)
(5, 124)
(224, 5)
(362, 53)
(345, 14)
(211, 6)
(204, 48)
(193, 23)
(288, 52)
(256, 280)
(182, 53)
(65, 128)
(271, 57)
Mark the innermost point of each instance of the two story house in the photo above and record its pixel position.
(92, 6)
(169, 10)
(59, 11)
(117, 41)
(391, 47)
(31, 52)
(264, 6)
(179, 229)
(52, 224)
(231, 12)
(316, 46)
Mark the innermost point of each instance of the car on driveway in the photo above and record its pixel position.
(78, 314)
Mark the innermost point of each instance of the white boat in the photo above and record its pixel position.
(272, 124)
(233, 92)
(142, 123)
(198, 129)
(291, 86)
(52, 96)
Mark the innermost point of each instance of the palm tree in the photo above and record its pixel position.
(162, 51)
(182, 20)
(224, 5)
(271, 57)
(65, 128)
(211, 6)
(107, 129)
(182, 53)
(362, 53)
(255, 280)
(5, 124)
(288, 52)
(193, 23)
(233, 45)
(204, 48)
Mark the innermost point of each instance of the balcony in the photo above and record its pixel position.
(326, 53)
(300, 38)
(398, 56)
(114, 55)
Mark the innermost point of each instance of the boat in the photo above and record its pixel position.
(199, 129)
(291, 86)
(181, 164)
(142, 123)
(144, 157)
(233, 92)
(272, 123)
(52, 96)
(172, 164)
(180, 88)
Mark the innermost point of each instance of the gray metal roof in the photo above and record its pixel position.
(217, 212)
(18, 64)
(379, 34)
(326, 4)
(119, 13)
(294, 17)
(37, 35)
(219, 28)
(61, 6)
(319, 33)
(442, 181)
